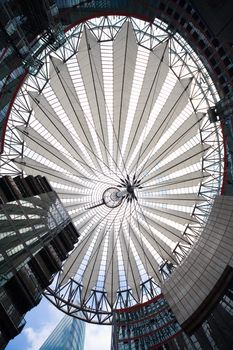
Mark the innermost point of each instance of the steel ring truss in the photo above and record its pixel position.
(122, 100)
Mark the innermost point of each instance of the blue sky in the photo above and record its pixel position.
(43, 319)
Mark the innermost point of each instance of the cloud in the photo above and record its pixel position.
(97, 337)
(35, 338)
(37, 335)
(43, 322)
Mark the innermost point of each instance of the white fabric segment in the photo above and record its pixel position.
(176, 216)
(76, 205)
(167, 230)
(183, 134)
(63, 87)
(89, 59)
(130, 266)
(149, 262)
(163, 249)
(34, 168)
(124, 60)
(112, 273)
(74, 260)
(173, 106)
(48, 118)
(186, 159)
(36, 142)
(183, 181)
(93, 265)
(187, 199)
(155, 75)
(63, 194)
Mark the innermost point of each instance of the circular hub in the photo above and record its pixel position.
(110, 198)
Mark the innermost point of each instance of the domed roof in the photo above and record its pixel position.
(116, 120)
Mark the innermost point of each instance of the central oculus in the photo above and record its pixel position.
(113, 196)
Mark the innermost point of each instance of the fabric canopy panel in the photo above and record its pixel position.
(124, 114)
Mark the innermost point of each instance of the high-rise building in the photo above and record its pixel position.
(69, 334)
(126, 107)
(36, 234)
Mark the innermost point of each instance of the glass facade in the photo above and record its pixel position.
(145, 325)
(216, 331)
(153, 325)
(26, 225)
(68, 335)
(36, 234)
